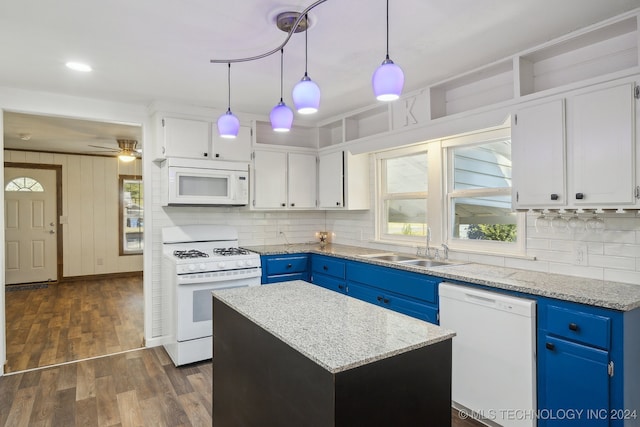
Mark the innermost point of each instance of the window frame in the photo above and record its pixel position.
(380, 213)
(121, 215)
(517, 248)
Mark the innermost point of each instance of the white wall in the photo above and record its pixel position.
(90, 201)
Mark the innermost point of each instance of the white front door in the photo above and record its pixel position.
(30, 225)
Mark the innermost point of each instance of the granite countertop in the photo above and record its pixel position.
(335, 331)
(599, 293)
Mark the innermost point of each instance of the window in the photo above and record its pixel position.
(131, 218)
(23, 183)
(402, 212)
(479, 195)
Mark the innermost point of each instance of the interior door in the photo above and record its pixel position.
(30, 225)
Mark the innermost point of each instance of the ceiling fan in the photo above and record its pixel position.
(126, 150)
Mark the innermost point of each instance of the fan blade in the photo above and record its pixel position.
(105, 148)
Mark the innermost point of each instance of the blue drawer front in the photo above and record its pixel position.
(406, 283)
(329, 267)
(393, 302)
(579, 326)
(286, 265)
(286, 277)
(329, 282)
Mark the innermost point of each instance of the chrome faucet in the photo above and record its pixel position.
(445, 251)
(428, 248)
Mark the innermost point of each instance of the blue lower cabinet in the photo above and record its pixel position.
(393, 302)
(329, 272)
(282, 268)
(576, 384)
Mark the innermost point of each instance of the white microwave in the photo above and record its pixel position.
(204, 182)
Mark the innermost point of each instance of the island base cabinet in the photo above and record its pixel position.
(261, 381)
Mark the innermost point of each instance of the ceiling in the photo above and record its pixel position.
(159, 50)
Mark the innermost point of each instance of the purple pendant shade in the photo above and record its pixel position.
(388, 81)
(306, 96)
(228, 125)
(281, 117)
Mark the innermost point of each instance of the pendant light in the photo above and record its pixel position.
(306, 94)
(281, 116)
(228, 123)
(388, 79)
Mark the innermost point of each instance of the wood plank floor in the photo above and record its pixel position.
(137, 388)
(73, 321)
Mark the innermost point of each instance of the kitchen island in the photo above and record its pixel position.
(294, 354)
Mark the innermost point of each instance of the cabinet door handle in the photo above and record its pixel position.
(385, 300)
(579, 196)
(325, 268)
(379, 299)
(283, 204)
(341, 287)
(554, 196)
(205, 154)
(217, 155)
(573, 326)
(293, 204)
(337, 203)
(550, 346)
(289, 265)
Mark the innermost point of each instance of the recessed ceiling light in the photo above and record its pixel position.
(78, 66)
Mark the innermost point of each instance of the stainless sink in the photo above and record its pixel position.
(393, 258)
(424, 262)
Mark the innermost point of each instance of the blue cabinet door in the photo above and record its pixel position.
(281, 268)
(576, 383)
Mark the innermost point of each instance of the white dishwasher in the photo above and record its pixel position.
(494, 363)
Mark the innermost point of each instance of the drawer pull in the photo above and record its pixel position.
(325, 268)
(580, 196)
(289, 265)
(379, 299)
(550, 346)
(385, 300)
(554, 196)
(573, 327)
(341, 287)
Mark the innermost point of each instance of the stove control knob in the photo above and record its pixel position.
(203, 266)
(240, 263)
(221, 265)
(192, 267)
(249, 263)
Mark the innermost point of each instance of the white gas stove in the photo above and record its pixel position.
(199, 259)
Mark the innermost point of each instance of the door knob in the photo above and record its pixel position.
(52, 232)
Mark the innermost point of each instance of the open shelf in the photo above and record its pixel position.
(366, 123)
(298, 136)
(331, 134)
(596, 53)
(486, 86)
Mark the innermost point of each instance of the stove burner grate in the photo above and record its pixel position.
(193, 253)
(230, 251)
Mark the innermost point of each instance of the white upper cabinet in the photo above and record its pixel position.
(302, 191)
(330, 180)
(602, 146)
(343, 181)
(538, 156)
(598, 170)
(284, 180)
(269, 179)
(236, 149)
(185, 138)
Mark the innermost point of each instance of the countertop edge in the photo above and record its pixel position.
(445, 272)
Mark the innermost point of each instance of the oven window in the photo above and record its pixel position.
(202, 303)
(204, 186)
